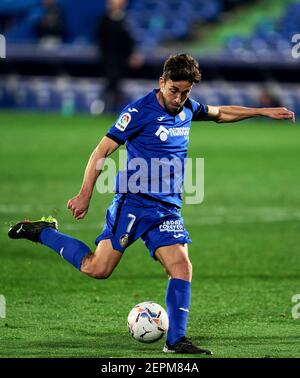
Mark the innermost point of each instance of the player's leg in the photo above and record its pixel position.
(176, 262)
(118, 233)
(167, 242)
(45, 231)
(101, 263)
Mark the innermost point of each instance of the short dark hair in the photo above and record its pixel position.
(182, 67)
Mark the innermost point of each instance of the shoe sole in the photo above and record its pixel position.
(205, 352)
(167, 350)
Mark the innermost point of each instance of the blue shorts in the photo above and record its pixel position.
(132, 216)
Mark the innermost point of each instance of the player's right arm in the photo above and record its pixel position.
(79, 204)
(129, 123)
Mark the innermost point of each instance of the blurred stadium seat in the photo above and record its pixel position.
(149, 19)
(67, 95)
(153, 21)
(271, 38)
(261, 56)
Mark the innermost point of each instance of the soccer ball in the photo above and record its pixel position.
(147, 322)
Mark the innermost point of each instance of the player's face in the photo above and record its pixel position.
(173, 94)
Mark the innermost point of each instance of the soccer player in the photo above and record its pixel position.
(155, 126)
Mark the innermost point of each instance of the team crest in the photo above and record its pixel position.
(182, 115)
(123, 121)
(123, 240)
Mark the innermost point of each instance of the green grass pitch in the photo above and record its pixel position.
(245, 250)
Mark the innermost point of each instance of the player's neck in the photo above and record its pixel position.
(162, 104)
(160, 100)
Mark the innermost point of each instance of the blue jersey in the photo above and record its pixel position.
(156, 143)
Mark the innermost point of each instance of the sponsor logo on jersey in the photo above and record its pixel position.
(179, 131)
(176, 236)
(171, 226)
(123, 121)
(164, 133)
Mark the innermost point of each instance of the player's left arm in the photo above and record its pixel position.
(222, 114)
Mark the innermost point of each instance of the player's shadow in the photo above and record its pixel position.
(254, 340)
(85, 348)
(266, 277)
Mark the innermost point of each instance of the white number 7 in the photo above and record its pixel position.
(130, 224)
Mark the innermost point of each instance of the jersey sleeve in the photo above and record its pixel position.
(128, 124)
(200, 111)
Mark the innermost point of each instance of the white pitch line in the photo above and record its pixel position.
(209, 216)
(81, 227)
(227, 219)
(14, 209)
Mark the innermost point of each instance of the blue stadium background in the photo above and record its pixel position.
(239, 69)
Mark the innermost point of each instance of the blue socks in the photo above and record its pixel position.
(178, 300)
(70, 249)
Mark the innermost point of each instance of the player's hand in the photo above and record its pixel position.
(79, 206)
(280, 113)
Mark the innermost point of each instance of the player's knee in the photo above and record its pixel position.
(98, 273)
(92, 269)
(181, 269)
(187, 270)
